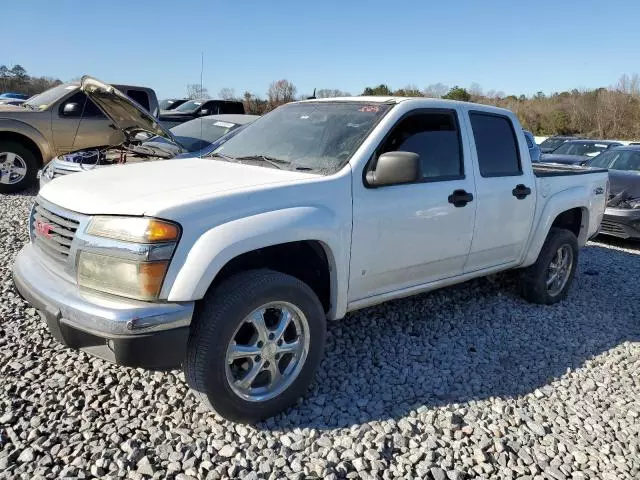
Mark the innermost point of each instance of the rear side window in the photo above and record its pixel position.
(139, 96)
(496, 145)
(435, 137)
(232, 107)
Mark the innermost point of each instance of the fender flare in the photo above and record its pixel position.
(556, 204)
(22, 128)
(197, 263)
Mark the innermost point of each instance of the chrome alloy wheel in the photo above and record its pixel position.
(267, 351)
(13, 168)
(559, 270)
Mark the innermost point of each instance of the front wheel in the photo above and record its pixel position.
(255, 344)
(18, 167)
(547, 281)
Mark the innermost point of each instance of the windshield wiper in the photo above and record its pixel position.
(276, 162)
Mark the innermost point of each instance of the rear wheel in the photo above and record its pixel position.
(255, 345)
(548, 280)
(18, 167)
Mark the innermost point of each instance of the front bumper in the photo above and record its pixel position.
(123, 331)
(621, 222)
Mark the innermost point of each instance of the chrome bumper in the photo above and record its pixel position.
(103, 320)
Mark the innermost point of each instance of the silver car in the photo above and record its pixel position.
(534, 148)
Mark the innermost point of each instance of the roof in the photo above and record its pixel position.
(590, 140)
(629, 147)
(423, 101)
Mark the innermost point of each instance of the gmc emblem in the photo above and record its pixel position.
(43, 229)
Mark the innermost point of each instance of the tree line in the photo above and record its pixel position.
(606, 113)
(612, 112)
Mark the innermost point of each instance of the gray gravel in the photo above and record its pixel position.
(467, 382)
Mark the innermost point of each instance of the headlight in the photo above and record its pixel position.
(139, 262)
(134, 229)
(128, 278)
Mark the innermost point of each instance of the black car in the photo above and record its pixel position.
(622, 216)
(575, 152)
(172, 103)
(200, 108)
(551, 143)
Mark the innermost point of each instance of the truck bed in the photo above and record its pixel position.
(555, 170)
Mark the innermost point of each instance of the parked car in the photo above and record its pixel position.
(200, 108)
(11, 101)
(622, 216)
(230, 265)
(534, 149)
(57, 121)
(551, 143)
(574, 152)
(195, 138)
(13, 96)
(171, 103)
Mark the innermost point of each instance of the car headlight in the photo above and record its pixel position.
(150, 239)
(47, 172)
(118, 276)
(134, 229)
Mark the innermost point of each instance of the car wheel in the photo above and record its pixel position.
(18, 167)
(547, 281)
(255, 343)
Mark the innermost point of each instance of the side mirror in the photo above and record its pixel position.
(70, 109)
(395, 168)
(204, 112)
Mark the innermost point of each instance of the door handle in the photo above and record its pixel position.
(459, 198)
(521, 191)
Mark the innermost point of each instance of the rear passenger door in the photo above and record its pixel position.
(505, 191)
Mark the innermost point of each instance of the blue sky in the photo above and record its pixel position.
(510, 46)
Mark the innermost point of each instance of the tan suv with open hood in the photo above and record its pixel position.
(57, 121)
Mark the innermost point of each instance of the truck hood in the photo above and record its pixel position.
(127, 115)
(151, 188)
(559, 158)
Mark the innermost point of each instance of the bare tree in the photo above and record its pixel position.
(227, 94)
(436, 90)
(280, 92)
(330, 93)
(475, 90)
(197, 91)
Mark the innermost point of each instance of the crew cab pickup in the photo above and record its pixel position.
(231, 264)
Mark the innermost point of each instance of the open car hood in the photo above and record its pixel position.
(623, 181)
(127, 115)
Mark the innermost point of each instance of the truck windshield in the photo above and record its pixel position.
(189, 106)
(315, 136)
(48, 97)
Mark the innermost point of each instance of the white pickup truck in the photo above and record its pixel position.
(229, 265)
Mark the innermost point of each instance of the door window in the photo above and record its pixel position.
(434, 136)
(88, 110)
(496, 145)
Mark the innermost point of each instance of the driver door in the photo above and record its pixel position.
(412, 234)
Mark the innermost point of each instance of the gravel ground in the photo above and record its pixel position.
(467, 382)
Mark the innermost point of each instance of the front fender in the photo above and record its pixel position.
(196, 267)
(30, 133)
(575, 197)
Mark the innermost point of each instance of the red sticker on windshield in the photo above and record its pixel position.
(370, 109)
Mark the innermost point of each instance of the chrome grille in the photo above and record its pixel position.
(52, 232)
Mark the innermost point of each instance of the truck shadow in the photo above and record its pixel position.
(470, 342)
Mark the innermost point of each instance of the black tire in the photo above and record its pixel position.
(31, 162)
(534, 278)
(216, 319)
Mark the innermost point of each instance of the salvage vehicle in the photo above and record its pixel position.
(230, 265)
(534, 150)
(200, 108)
(574, 152)
(190, 139)
(171, 103)
(622, 215)
(57, 121)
